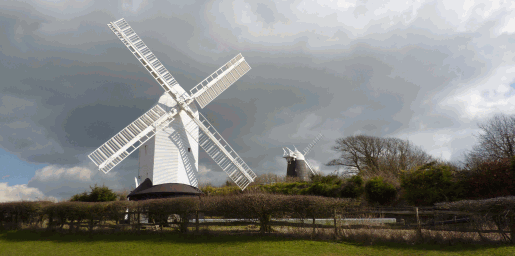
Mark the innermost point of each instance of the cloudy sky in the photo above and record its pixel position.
(427, 71)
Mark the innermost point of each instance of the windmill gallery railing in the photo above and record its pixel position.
(265, 213)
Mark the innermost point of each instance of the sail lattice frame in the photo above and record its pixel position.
(121, 145)
(221, 152)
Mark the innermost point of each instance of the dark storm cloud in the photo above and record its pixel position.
(69, 84)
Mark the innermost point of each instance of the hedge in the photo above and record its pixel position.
(259, 207)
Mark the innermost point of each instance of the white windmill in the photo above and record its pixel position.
(298, 165)
(169, 134)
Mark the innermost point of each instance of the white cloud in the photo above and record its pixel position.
(64, 182)
(316, 165)
(486, 96)
(21, 193)
(440, 143)
(207, 175)
(52, 172)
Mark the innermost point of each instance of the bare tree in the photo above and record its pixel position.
(402, 155)
(358, 152)
(378, 156)
(495, 141)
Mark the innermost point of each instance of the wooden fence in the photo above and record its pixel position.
(415, 218)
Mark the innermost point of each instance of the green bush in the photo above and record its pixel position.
(322, 189)
(429, 184)
(352, 188)
(330, 185)
(377, 191)
(221, 191)
(97, 194)
(293, 188)
(331, 179)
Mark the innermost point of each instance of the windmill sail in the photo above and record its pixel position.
(120, 146)
(308, 148)
(138, 48)
(207, 90)
(111, 153)
(221, 152)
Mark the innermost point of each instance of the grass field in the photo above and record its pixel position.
(43, 243)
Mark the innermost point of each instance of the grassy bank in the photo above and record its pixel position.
(41, 243)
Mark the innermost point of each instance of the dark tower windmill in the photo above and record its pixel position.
(298, 165)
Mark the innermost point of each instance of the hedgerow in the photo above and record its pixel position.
(431, 183)
(14, 214)
(498, 205)
(160, 209)
(490, 179)
(259, 207)
(330, 186)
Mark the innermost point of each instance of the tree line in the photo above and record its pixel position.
(488, 169)
(393, 171)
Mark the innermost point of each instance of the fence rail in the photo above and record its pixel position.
(158, 214)
(339, 221)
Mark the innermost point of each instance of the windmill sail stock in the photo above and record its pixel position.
(129, 139)
(308, 148)
(309, 166)
(139, 49)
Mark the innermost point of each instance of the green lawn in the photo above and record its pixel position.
(33, 243)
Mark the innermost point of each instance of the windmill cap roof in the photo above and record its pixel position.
(299, 155)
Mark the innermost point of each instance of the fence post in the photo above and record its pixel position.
(314, 226)
(335, 226)
(139, 219)
(419, 228)
(197, 222)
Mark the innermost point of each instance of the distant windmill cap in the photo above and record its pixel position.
(298, 154)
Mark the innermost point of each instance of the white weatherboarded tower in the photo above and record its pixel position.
(171, 156)
(170, 133)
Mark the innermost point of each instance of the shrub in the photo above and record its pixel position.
(380, 192)
(321, 189)
(97, 194)
(331, 179)
(352, 188)
(331, 185)
(429, 184)
(217, 191)
(293, 188)
(490, 179)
